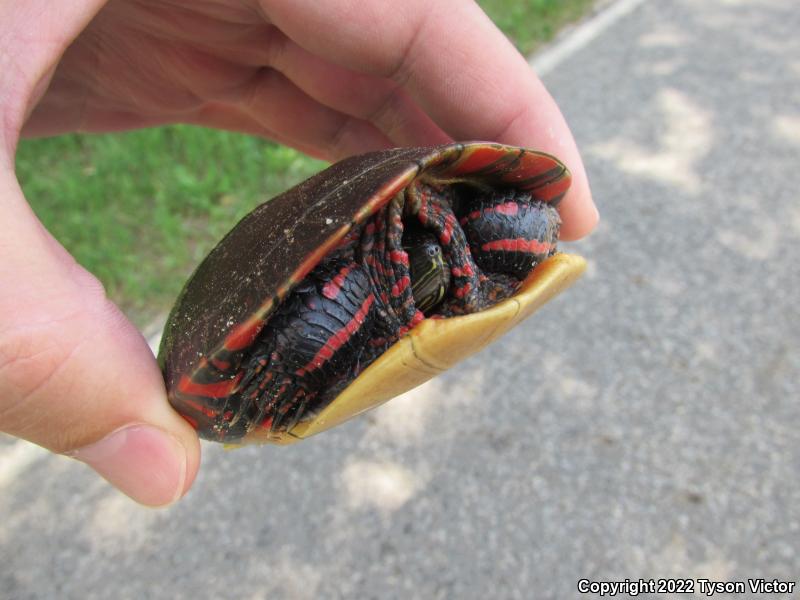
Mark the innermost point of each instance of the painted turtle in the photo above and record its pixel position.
(361, 283)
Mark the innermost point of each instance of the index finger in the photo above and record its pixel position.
(458, 67)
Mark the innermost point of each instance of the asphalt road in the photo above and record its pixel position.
(645, 424)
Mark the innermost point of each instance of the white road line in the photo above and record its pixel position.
(154, 341)
(545, 61)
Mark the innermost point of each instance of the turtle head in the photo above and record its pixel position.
(430, 273)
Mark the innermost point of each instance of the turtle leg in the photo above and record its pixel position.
(432, 207)
(508, 232)
(314, 340)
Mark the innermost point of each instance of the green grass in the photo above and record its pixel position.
(141, 209)
(529, 23)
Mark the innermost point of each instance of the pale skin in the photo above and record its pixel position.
(330, 78)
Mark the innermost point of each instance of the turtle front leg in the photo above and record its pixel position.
(312, 345)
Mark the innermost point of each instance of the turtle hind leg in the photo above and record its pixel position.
(276, 398)
(290, 411)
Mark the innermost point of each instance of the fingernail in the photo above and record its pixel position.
(144, 462)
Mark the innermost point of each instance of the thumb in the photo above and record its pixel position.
(75, 375)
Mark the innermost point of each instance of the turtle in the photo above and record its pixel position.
(361, 283)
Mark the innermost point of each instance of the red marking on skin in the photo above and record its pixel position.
(422, 215)
(243, 335)
(399, 256)
(220, 365)
(465, 271)
(227, 415)
(263, 384)
(373, 262)
(378, 266)
(517, 245)
(463, 290)
(370, 228)
(399, 287)
(339, 338)
(331, 289)
(349, 238)
(447, 232)
(507, 208)
(221, 389)
(266, 423)
(415, 320)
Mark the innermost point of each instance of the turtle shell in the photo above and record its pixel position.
(235, 290)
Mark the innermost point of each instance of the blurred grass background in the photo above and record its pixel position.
(141, 209)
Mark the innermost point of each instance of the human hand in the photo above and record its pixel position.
(331, 79)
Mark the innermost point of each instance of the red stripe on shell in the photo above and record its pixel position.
(550, 191)
(478, 159)
(243, 335)
(201, 408)
(220, 389)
